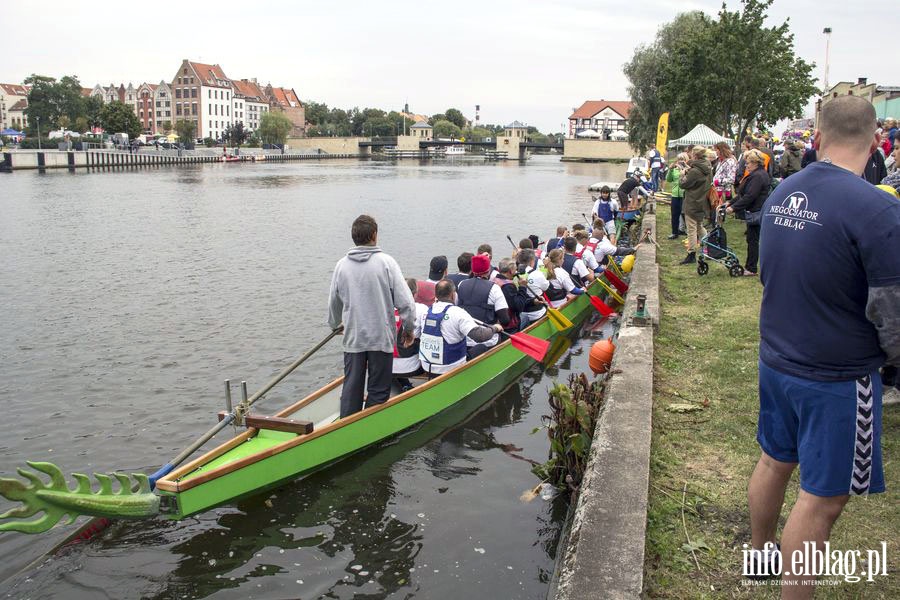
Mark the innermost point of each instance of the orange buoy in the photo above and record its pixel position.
(601, 356)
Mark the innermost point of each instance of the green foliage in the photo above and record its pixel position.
(49, 100)
(570, 427)
(209, 142)
(185, 130)
(118, 117)
(727, 73)
(81, 124)
(456, 117)
(166, 126)
(446, 129)
(274, 127)
(478, 134)
(235, 135)
(435, 118)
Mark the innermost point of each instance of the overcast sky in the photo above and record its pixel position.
(532, 61)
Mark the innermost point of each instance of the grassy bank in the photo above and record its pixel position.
(706, 357)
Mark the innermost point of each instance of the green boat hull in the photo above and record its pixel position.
(285, 456)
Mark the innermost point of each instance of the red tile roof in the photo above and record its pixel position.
(209, 73)
(14, 89)
(285, 97)
(86, 92)
(20, 105)
(592, 107)
(248, 89)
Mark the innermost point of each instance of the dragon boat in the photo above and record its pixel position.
(303, 437)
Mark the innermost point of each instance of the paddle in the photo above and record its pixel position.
(590, 227)
(559, 320)
(601, 306)
(614, 279)
(557, 349)
(610, 291)
(230, 417)
(534, 347)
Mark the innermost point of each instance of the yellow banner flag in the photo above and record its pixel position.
(662, 133)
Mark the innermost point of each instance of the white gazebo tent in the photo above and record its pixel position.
(701, 135)
(588, 133)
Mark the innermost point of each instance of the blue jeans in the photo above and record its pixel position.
(654, 179)
(676, 214)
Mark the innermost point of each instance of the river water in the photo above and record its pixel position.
(129, 297)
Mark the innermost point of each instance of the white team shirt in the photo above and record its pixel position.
(579, 268)
(562, 281)
(613, 205)
(604, 248)
(537, 285)
(456, 325)
(589, 259)
(411, 363)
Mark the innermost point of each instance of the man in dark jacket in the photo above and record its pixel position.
(751, 193)
(792, 158)
(875, 168)
(696, 183)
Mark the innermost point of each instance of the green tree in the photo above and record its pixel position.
(166, 126)
(81, 124)
(435, 118)
(235, 134)
(186, 130)
(274, 127)
(456, 117)
(118, 117)
(446, 129)
(93, 105)
(727, 73)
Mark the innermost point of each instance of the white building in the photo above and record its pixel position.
(13, 99)
(203, 94)
(253, 103)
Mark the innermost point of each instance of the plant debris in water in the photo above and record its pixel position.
(574, 409)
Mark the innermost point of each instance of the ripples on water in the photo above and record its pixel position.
(129, 297)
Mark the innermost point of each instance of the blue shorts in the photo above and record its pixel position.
(832, 428)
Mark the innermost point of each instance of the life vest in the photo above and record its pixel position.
(399, 350)
(433, 347)
(473, 296)
(569, 267)
(513, 324)
(424, 292)
(589, 246)
(554, 293)
(604, 211)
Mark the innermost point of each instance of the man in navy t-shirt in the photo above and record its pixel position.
(830, 317)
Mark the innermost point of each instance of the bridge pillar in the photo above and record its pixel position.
(512, 146)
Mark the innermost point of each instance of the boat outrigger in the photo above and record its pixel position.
(306, 436)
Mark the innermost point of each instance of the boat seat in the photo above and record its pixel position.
(275, 423)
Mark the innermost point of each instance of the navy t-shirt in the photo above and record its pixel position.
(827, 236)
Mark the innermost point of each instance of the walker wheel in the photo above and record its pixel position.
(702, 267)
(736, 271)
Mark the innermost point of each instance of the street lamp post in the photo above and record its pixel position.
(827, 32)
(38, 119)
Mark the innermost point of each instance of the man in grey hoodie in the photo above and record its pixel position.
(366, 287)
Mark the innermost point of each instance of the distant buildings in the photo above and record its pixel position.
(204, 94)
(602, 116)
(886, 99)
(13, 102)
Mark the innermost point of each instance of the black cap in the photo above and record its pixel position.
(437, 268)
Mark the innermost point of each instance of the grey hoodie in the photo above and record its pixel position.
(366, 287)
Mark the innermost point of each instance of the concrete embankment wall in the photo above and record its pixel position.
(56, 159)
(603, 555)
(329, 145)
(596, 150)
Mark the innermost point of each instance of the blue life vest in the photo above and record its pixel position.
(433, 346)
(569, 267)
(473, 296)
(604, 211)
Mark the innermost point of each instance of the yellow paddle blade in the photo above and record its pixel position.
(559, 320)
(612, 293)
